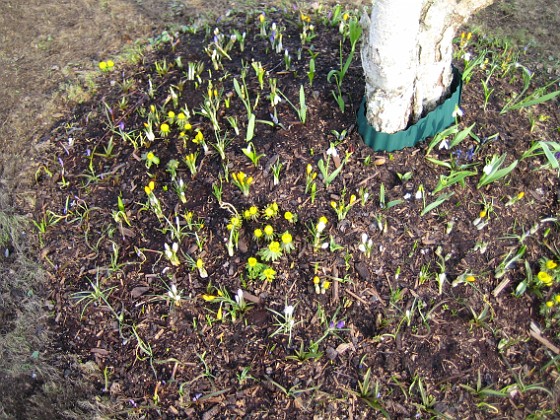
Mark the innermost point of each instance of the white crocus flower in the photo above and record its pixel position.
(331, 151)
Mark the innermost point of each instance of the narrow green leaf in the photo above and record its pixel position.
(438, 202)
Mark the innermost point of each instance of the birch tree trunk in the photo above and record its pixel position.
(406, 55)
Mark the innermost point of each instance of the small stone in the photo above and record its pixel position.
(115, 389)
(138, 291)
(331, 353)
(243, 246)
(363, 270)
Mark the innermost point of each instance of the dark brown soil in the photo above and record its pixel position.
(196, 360)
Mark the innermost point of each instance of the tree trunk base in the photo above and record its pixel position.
(428, 126)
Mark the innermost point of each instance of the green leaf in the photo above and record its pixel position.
(251, 128)
(393, 203)
(439, 201)
(439, 162)
(452, 179)
(461, 135)
(491, 171)
(439, 137)
(531, 102)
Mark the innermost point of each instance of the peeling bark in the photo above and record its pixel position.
(406, 55)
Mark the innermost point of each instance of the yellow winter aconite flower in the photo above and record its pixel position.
(545, 278)
(326, 285)
(287, 242)
(268, 274)
(258, 233)
(199, 138)
(470, 279)
(520, 195)
(274, 247)
(199, 263)
(102, 65)
(549, 304)
(305, 18)
(316, 280)
(235, 222)
(164, 128)
(268, 230)
(551, 265)
(170, 115)
(289, 216)
(272, 252)
(345, 16)
(557, 299)
(252, 262)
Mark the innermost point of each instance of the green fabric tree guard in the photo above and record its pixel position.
(428, 126)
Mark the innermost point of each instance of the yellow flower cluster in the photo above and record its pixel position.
(548, 273)
(149, 189)
(198, 138)
(256, 269)
(270, 211)
(251, 213)
(465, 38)
(305, 18)
(106, 65)
(242, 181)
(545, 278)
(554, 301)
(321, 286)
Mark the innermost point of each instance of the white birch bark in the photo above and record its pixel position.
(406, 55)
